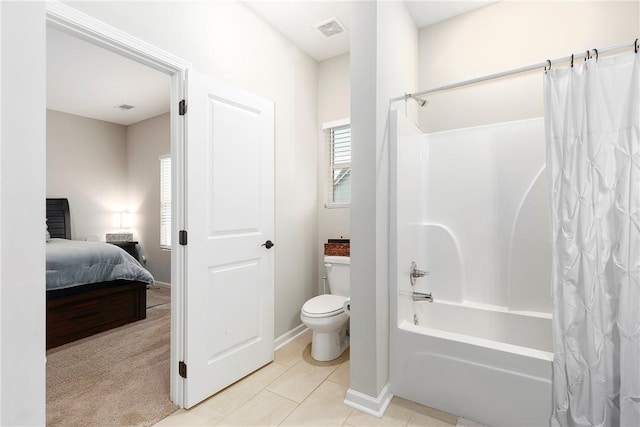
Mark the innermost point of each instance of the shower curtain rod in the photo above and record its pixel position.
(548, 63)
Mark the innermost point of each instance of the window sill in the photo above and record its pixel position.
(337, 205)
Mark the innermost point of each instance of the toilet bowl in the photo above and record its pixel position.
(327, 319)
(325, 314)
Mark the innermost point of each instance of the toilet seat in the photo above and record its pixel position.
(326, 305)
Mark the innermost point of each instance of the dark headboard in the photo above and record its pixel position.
(58, 218)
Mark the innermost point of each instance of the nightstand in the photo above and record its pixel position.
(129, 247)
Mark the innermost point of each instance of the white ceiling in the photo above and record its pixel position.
(89, 81)
(85, 80)
(296, 19)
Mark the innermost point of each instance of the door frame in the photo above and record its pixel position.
(85, 27)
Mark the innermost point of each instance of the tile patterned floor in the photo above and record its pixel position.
(295, 390)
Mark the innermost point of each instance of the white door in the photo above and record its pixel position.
(229, 197)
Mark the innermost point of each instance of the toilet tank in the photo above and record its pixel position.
(338, 268)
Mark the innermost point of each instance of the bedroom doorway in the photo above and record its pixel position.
(67, 23)
(104, 162)
(205, 345)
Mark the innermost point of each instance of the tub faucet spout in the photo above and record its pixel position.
(420, 296)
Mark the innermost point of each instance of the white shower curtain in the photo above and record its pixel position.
(592, 121)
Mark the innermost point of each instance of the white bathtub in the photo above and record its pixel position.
(474, 361)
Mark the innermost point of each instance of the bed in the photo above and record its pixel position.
(87, 293)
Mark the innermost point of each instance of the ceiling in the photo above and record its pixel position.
(86, 80)
(296, 20)
(89, 81)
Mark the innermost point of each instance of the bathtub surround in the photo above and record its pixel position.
(487, 332)
(593, 126)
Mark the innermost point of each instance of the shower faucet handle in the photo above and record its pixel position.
(415, 273)
(419, 273)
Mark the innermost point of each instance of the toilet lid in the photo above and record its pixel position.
(324, 305)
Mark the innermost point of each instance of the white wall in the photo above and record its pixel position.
(146, 142)
(86, 163)
(333, 104)
(22, 212)
(508, 35)
(227, 41)
(384, 55)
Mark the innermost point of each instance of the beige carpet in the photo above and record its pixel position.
(116, 378)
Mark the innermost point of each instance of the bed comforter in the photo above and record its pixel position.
(73, 263)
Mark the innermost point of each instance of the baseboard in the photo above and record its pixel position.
(370, 405)
(287, 337)
(163, 284)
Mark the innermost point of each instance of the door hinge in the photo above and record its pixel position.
(182, 237)
(182, 107)
(182, 369)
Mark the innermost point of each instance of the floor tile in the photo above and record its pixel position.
(264, 409)
(341, 375)
(299, 391)
(291, 353)
(183, 417)
(397, 415)
(300, 381)
(436, 413)
(306, 356)
(421, 420)
(323, 407)
(236, 395)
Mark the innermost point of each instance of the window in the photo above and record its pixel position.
(165, 202)
(338, 142)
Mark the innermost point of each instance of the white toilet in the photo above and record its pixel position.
(325, 314)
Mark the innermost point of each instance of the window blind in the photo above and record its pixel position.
(165, 202)
(338, 179)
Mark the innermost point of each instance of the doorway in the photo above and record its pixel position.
(69, 21)
(231, 135)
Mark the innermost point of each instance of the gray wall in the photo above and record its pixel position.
(146, 142)
(86, 163)
(103, 168)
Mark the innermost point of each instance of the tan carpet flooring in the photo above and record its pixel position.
(115, 378)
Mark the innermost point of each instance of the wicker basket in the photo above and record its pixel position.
(337, 249)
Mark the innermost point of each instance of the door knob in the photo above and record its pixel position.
(268, 244)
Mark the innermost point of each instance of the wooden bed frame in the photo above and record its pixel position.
(81, 311)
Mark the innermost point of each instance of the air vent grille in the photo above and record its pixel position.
(330, 27)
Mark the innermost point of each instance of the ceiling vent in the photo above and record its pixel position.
(330, 27)
(124, 107)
